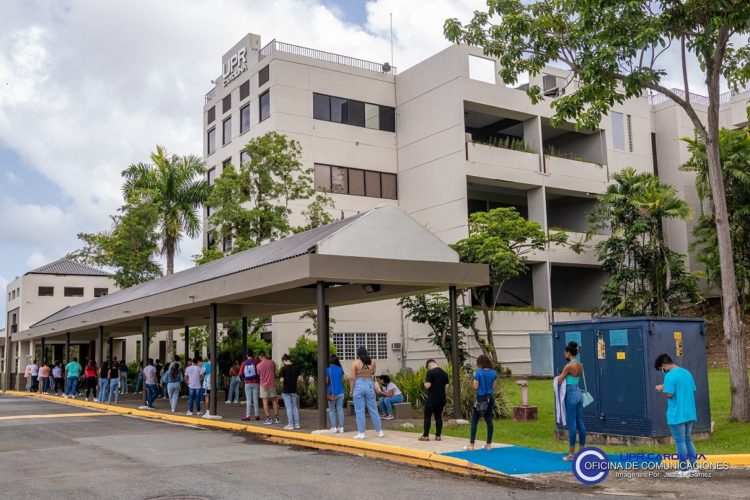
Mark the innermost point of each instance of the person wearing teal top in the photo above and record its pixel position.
(573, 399)
(679, 389)
(73, 371)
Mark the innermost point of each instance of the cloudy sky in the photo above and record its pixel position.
(87, 88)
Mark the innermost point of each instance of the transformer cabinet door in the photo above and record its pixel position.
(622, 390)
(584, 336)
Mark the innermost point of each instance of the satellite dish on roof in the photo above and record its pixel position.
(386, 67)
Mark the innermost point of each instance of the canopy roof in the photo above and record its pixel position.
(383, 247)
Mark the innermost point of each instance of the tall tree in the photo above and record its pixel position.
(735, 164)
(502, 239)
(176, 187)
(613, 50)
(646, 277)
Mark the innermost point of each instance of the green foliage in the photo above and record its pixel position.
(506, 142)
(434, 311)
(128, 247)
(519, 308)
(198, 339)
(304, 353)
(646, 277)
(317, 213)
(550, 150)
(469, 397)
(735, 159)
(411, 384)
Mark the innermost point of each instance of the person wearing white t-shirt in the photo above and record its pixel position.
(34, 372)
(193, 378)
(390, 395)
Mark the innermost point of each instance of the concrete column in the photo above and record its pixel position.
(540, 276)
(44, 351)
(536, 200)
(187, 346)
(67, 348)
(111, 352)
(144, 351)
(320, 303)
(455, 360)
(532, 136)
(8, 360)
(213, 334)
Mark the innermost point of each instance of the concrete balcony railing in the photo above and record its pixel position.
(493, 162)
(576, 175)
(565, 255)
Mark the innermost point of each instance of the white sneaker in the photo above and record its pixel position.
(87, 399)
(189, 414)
(227, 402)
(381, 434)
(65, 396)
(359, 435)
(207, 415)
(288, 427)
(297, 427)
(340, 430)
(334, 429)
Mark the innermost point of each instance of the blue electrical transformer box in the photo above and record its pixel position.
(618, 356)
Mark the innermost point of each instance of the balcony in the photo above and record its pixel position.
(568, 173)
(320, 55)
(489, 159)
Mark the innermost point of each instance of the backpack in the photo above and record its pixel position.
(249, 371)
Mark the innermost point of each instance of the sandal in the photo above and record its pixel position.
(438, 438)
(488, 446)
(424, 438)
(567, 458)
(469, 447)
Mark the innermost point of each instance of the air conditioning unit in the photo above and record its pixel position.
(396, 346)
(553, 86)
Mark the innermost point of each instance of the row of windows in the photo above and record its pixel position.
(14, 293)
(351, 112)
(264, 111)
(226, 103)
(70, 291)
(347, 344)
(354, 181)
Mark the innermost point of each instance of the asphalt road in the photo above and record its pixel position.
(96, 455)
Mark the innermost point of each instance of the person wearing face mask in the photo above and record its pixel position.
(571, 373)
(679, 389)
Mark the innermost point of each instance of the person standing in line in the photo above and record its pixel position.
(290, 374)
(123, 377)
(335, 393)
(485, 379)
(90, 384)
(193, 377)
(114, 382)
(206, 375)
(27, 377)
(252, 389)
(362, 382)
(150, 379)
(72, 372)
(57, 376)
(159, 373)
(571, 372)
(435, 383)
(103, 381)
(233, 396)
(391, 395)
(34, 372)
(679, 389)
(44, 373)
(174, 379)
(139, 380)
(267, 372)
(200, 367)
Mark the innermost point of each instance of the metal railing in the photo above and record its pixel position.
(288, 48)
(698, 99)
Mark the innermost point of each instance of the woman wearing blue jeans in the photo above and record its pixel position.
(485, 379)
(363, 392)
(335, 393)
(103, 381)
(390, 395)
(174, 380)
(573, 399)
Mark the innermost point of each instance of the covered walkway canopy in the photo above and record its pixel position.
(375, 255)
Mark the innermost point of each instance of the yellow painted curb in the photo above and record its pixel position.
(344, 445)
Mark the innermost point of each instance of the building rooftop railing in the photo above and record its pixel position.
(288, 48)
(698, 99)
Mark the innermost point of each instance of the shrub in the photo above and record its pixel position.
(468, 397)
(304, 353)
(411, 384)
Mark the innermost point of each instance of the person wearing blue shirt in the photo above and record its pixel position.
(335, 393)
(679, 389)
(485, 379)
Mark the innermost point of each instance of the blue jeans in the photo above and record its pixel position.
(684, 443)
(234, 390)
(139, 383)
(574, 416)
(292, 411)
(173, 389)
(385, 405)
(194, 396)
(72, 387)
(152, 391)
(336, 407)
(251, 396)
(114, 386)
(45, 384)
(103, 389)
(364, 397)
(487, 419)
(124, 383)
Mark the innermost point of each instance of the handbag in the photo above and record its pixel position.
(331, 396)
(586, 398)
(482, 403)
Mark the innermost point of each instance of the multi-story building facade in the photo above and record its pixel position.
(443, 139)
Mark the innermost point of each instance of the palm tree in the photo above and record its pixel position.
(176, 187)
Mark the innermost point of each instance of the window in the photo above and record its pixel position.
(211, 141)
(226, 103)
(46, 291)
(372, 184)
(14, 294)
(482, 69)
(226, 126)
(226, 244)
(388, 186)
(101, 292)
(618, 132)
(244, 90)
(71, 291)
(351, 112)
(211, 115)
(348, 343)
(244, 157)
(210, 240)
(245, 119)
(630, 134)
(339, 180)
(263, 76)
(208, 210)
(321, 107)
(265, 105)
(323, 178)
(355, 182)
(211, 176)
(226, 163)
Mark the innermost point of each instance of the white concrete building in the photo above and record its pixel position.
(441, 140)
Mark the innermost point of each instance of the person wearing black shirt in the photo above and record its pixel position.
(114, 382)
(289, 375)
(435, 382)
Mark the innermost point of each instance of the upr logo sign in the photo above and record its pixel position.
(590, 466)
(234, 66)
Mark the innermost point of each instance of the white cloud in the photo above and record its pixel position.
(36, 259)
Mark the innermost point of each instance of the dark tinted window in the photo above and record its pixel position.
(227, 131)
(226, 162)
(226, 103)
(100, 292)
(211, 115)
(244, 90)
(321, 107)
(387, 119)
(211, 176)
(72, 291)
(244, 157)
(388, 185)
(322, 177)
(211, 240)
(356, 112)
(263, 76)
(339, 181)
(265, 105)
(211, 140)
(227, 244)
(245, 119)
(356, 182)
(372, 184)
(46, 291)
(338, 110)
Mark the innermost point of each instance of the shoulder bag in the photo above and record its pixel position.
(586, 398)
(482, 403)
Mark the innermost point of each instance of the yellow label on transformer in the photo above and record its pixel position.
(620, 355)
(678, 335)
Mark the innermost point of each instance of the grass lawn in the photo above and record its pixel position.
(730, 437)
